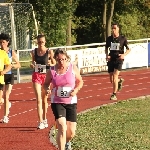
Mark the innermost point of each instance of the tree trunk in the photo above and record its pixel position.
(104, 20)
(110, 18)
(68, 32)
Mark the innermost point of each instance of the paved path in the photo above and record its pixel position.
(21, 133)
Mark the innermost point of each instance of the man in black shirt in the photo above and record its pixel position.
(115, 44)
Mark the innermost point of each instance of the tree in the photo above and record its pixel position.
(52, 17)
(110, 16)
(108, 10)
(133, 17)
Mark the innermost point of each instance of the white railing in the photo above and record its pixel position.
(83, 47)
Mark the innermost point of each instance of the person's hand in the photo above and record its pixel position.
(52, 54)
(74, 92)
(47, 90)
(108, 58)
(49, 62)
(32, 65)
(2, 73)
(121, 56)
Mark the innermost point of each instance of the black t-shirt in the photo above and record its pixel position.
(42, 60)
(116, 45)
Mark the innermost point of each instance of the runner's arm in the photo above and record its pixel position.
(47, 82)
(32, 65)
(51, 60)
(15, 58)
(79, 81)
(106, 47)
(127, 47)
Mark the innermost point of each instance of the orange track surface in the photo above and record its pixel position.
(21, 133)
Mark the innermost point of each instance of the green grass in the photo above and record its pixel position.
(25, 68)
(122, 126)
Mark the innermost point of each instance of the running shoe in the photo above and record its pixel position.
(45, 123)
(120, 84)
(113, 97)
(5, 119)
(41, 125)
(68, 146)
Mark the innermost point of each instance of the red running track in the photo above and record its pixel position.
(21, 133)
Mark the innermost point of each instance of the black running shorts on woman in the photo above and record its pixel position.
(69, 111)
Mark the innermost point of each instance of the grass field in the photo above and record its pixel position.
(121, 126)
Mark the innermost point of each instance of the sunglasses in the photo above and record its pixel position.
(62, 59)
(41, 42)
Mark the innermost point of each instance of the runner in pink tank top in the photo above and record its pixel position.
(63, 84)
(66, 82)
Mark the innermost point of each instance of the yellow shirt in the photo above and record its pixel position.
(4, 60)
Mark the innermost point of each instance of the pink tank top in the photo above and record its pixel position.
(63, 84)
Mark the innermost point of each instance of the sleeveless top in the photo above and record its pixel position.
(63, 84)
(10, 58)
(41, 62)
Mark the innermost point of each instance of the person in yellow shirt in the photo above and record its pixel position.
(4, 61)
(5, 42)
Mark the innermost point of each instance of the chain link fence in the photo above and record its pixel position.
(18, 20)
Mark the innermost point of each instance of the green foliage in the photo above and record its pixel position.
(134, 18)
(52, 17)
(87, 17)
(88, 21)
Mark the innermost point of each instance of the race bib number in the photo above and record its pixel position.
(115, 46)
(64, 91)
(40, 68)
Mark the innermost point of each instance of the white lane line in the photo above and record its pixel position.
(141, 78)
(82, 97)
(142, 89)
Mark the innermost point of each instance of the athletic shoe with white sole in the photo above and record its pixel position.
(45, 123)
(5, 119)
(68, 146)
(113, 97)
(41, 125)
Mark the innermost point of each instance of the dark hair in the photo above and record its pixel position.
(61, 51)
(40, 36)
(115, 23)
(6, 37)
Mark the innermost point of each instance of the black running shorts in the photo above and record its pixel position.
(1, 87)
(9, 79)
(69, 111)
(116, 64)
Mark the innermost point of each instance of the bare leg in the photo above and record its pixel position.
(1, 96)
(37, 90)
(7, 92)
(61, 136)
(115, 80)
(111, 77)
(71, 128)
(44, 103)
